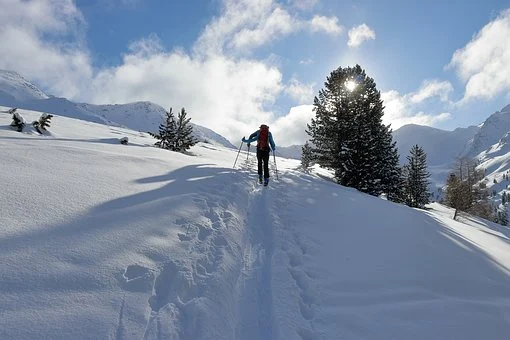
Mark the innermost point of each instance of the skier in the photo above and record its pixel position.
(264, 139)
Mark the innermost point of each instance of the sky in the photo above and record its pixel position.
(235, 64)
(153, 244)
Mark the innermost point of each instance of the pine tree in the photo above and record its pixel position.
(306, 156)
(416, 181)
(502, 216)
(167, 132)
(43, 122)
(17, 121)
(348, 135)
(184, 138)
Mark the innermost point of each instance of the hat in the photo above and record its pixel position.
(264, 125)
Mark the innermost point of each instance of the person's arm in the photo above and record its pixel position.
(253, 137)
(271, 141)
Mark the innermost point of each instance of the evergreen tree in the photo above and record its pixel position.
(416, 181)
(502, 216)
(43, 122)
(167, 132)
(306, 156)
(17, 121)
(348, 135)
(184, 138)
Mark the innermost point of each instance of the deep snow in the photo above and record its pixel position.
(102, 240)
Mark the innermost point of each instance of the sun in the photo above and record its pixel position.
(350, 85)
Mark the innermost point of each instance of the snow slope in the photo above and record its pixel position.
(102, 240)
(14, 87)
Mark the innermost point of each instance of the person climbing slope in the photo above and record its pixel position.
(264, 139)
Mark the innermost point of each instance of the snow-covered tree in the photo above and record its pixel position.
(175, 135)
(306, 156)
(43, 122)
(184, 138)
(348, 134)
(18, 122)
(416, 180)
(167, 132)
(502, 215)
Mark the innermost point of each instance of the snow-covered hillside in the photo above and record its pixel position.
(442, 147)
(15, 91)
(102, 240)
(491, 131)
(14, 87)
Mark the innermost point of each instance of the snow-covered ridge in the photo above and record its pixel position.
(493, 128)
(17, 87)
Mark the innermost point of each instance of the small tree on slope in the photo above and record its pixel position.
(43, 123)
(184, 138)
(17, 121)
(306, 156)
(416, 178)
(167, 132)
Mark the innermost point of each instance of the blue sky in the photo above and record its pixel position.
(234, 64)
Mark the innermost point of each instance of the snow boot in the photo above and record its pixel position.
(260, 179)
(266, 181)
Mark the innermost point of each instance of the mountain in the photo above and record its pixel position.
(15, 88)
(101, 240)
(15, 91)
(491, 131)
(293, 151)
(442, 147)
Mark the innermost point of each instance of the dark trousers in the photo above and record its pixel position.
(263, 157)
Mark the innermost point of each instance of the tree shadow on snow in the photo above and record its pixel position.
(112, 227)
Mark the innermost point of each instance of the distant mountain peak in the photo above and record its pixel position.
(12, 84)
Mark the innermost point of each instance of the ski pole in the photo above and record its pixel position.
(240, 146)
(248, 154)
(275, 167)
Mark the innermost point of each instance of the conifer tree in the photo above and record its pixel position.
(184, 138)
(43, 122)
(306, 156)
(348, 135)
(502, 215)
(167, 132)
(17, 121)
(416, 181)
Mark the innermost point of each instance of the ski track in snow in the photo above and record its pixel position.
(254, 287)
(295, 250)
(183, 292)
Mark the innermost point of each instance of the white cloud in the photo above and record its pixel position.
(360, 34)
(401, 110)
(429, 89)
(214, 91)
(56, 63)
(248, 24)
(290, 129)
(278, 23)
(328, 25)
(302, 93)
(484, 63)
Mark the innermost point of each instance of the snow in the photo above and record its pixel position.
(15, 87)
(103, 240)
